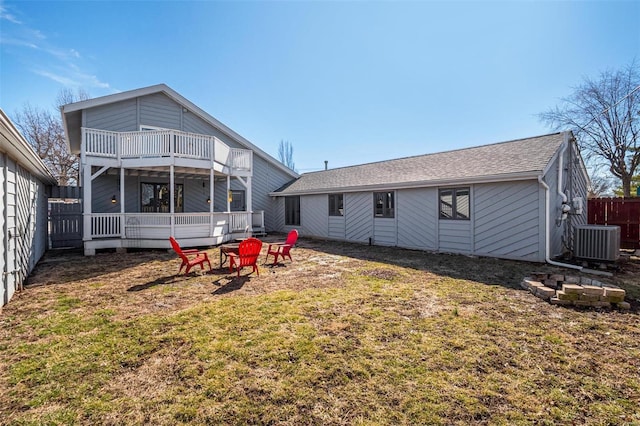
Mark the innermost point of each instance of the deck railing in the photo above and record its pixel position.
(164, 143)
(157, 226)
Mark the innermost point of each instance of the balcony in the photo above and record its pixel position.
(164, 147)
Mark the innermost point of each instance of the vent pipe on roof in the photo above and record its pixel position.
(326, 165)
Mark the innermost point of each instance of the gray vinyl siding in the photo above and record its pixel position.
(103, 188)
(385, 231)
(455, 236)
(279, 225)
(556, 229)
(24, 231)
(578, 188)
(359, 216)
(117, 117)
(158, 110)
(337, 227)
(417, 211)
(314, 215)
(506, 220)
(266, 178)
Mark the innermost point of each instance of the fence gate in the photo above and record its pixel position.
(623, 212)
(65, 224)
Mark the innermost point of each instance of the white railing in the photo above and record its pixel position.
(164, 143)
(145, 144)
(159, 225)
(240, 222)
(105, 225)
(101, 143)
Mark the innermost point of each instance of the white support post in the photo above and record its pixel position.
(211, 194)
(122, 221)
(249, 195)
(227, 195)
(86, 197)
(171, 200)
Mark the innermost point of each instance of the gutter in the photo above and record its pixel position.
(547, 230)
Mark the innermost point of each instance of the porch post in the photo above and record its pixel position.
(171, 201)
(86, 192)
(122, 221)
(227, 195)
(211, 193)
(249, 195)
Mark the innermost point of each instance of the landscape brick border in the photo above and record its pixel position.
(569, 290)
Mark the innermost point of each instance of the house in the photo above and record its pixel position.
(515, 200)
(155, 165)
(24, 180)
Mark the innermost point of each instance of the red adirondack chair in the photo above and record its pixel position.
(248, 253)
(190, 258)
(282, 249)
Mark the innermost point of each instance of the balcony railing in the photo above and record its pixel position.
(164, 143)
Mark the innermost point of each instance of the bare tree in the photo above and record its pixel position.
(604, 116)
(599, 186)
(44, 131)
(285, 154)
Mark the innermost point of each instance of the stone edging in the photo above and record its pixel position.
(576, 291)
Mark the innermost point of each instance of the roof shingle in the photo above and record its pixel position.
(518, 157)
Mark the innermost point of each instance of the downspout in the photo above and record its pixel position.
(547, 230)
(565, 142)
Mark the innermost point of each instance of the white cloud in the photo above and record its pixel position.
(74, 78)
(63, 65)
(4, 14)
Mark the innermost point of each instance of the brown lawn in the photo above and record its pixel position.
(344, 334)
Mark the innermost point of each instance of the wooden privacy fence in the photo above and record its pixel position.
(623, 212)
(65, 224)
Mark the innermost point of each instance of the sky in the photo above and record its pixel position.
(349, 82)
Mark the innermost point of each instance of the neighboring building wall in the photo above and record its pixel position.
(23, 221)
(158, 110)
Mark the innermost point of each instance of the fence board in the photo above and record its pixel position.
(622, 212)
(65, 224)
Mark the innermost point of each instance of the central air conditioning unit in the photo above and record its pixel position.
(597, 242)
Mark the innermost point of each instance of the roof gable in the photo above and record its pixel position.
(72, 118)
(518, 159)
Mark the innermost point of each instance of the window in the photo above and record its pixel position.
(155, 198)
(383, 204)
(237, 200)
(336, 205)
(292, 211)
(454, 204)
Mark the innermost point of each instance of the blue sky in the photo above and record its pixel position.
(348, 82)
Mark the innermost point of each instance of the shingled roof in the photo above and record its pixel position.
(504, 161)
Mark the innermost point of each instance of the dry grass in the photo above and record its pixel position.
(345, 334)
